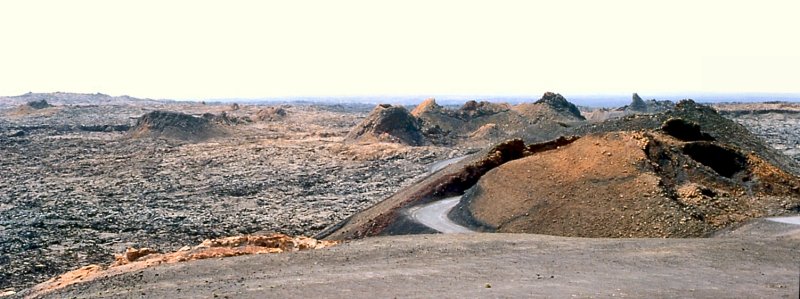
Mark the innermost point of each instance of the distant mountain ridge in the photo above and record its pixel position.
(589, 100)
(607, 100)
(68, 98)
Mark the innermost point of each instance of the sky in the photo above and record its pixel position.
(258, 49)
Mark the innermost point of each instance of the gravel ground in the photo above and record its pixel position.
(756, 261)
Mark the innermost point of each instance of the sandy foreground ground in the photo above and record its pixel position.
(758, 260)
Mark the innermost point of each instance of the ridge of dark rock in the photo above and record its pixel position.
(559, 103)
(637, 104)
(174, 125)
(40, 104)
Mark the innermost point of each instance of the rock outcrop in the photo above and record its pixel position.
(637, 104)
(174, 125)
(387, 123)
(40, 104)
(35, 107)
(427, 106)
(270, 114)
(560, 104)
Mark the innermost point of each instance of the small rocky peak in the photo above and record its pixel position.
(637, 104)
(428, 105)
(559, 103)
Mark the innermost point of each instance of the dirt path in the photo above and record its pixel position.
(434, 167)
(791, 220)
(757, 261)
(434, 215)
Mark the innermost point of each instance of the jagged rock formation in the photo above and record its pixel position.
(560, 104)
(387, 123)
(637, 104)
(640, 106)
(174, 125)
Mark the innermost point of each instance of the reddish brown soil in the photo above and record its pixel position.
(632, 184)
(138, 259)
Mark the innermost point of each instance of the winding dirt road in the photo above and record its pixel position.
(434, 215)
(790, 220)
(436, 166)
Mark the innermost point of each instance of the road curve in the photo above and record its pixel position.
(790, 220)
(434, 215)
(444, 163)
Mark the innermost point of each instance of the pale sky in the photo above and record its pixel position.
(256, 49)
